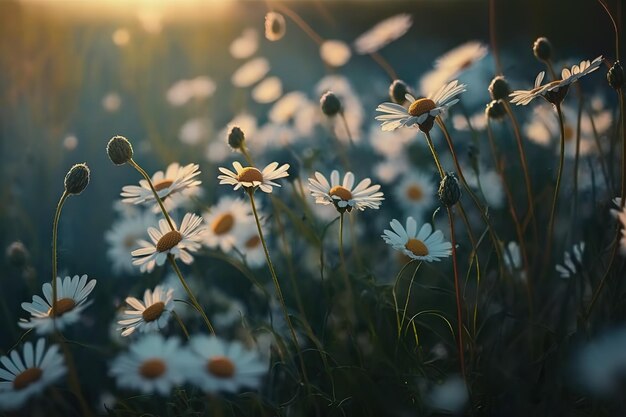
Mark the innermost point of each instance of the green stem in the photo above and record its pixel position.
(435, 156)
(395, 298)
(557, 186)
(344, 269)
(457, 290)
(345, 124)
(145, 175)
(279, 293)
(55, 227)
(181, 324)
(408, 294)
(192, 298)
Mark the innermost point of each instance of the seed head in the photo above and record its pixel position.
(119, 150)
(77, 179)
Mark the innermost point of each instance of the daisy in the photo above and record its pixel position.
(342, 194)
(151, 315)
(335, 53)
(555, 91)
(572, 261)
(23, 377)
(245, 45)
(183, 91)
(421, 112)
(424, 245)
(416, 193)
(268, 90)
(383, 33)
(123, 236)
(152, 364)
(176, 180)
(251, 72)
(225, 220)
(165, 241)
(251, 177)
(250, 246)
(216, 365)
(71, 300)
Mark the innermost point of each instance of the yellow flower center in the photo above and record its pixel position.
(417, 247)
(221, 367)
(341, 192)
(250, 174)
(223, 223)
(414, 192)
(253, 242)
(152, 368)
(24, 379)
(421, 106)
(168, 241)
(164, 183)
(153, 312)
(62, 306)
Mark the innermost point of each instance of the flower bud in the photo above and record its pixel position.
(495, 110)
(275, 26)
(499, 88)
(542, 49)
(615, 76)
(397, 91)
(17, 254)
(77, 179)
(236, 138)
(119, 150)
(330, 104)
(449, 192)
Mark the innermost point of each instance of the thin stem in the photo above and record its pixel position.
(145, 175)
(72, 377)
(435, 156)
(457, 290)
(246, 154)
(192, 297)
(395, 298)
(557, 186)
(345, 123)
(382, 62)
(551, 70)
(408, 294)
(300, 23)
(620, 94)
(279, 293)
(344, 269)
(577, 158)
(492, 35)
(616, 30)
(181, 324)
(55, 228)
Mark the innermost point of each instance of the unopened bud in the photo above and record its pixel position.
(615, 76)
(499, 88)
(397, 91)
(236, 138)
(449, 192)
(495, 110)
(77, 179)
(330, 104)
(119, 150)
(542, 49)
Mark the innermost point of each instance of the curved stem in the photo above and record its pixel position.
(145, 175)
(345, 123)
(192, 297)
(492, 35)
(606, 9)
(457, 290)
(435, 156)
(181, 324)
(557, 186)
(382, 62)
(279, 293)
(55, 228)
(395, 298)
(300, 23)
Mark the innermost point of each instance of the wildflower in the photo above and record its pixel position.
(224, 222)
(499, 88)
(495, 110)
(22, 377)
(195, 131)
(383, 33)
(424, 245)
(250, 246)
(251, 178)
(542, 48)
(555, 91)
(335, 53)
(165, 241)
(245, 45)
(251, 72)
(119, 150)
(183, 91)
(77, 179)
(268, 90)
(123, 237)
(275, 26)
(572, 261)
(351, 108)
(330, 104)
(421, 112)
(342, 194)
(71, 300)
(152, 364)
(177, 181)
(449, 192)
(415, 193)
(216, 365)
(150, 315)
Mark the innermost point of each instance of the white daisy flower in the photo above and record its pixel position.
(177, 180)
(342, 194)
(151, 365)
(251, 72)
(288, 106)
(123, 236)
(555, 91)
(183, 91)
(224, 221)
(251, 177)
(268, 90)
(195, 131)
(421, 112)
(165, 241)
(424, 245)
(477, 121)
(383, 33)
(572, 261)
(245, 45)
(416, 193)
(250, 246)
(23, 377)
(335, 53)
(219, 366)
(71, 300)
(150, 315)
(450, 65)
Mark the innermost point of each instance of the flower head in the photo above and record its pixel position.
(555, 91)
(342, 194)
(275, 26)
(422, 245)
(71, 300)
(25, 376)
(123, 236)
(383, 33)
(252, 178)
(224, 222)
(77, 179)
(165, 241)
(572, 261)
(421, 112)
(150, 315)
